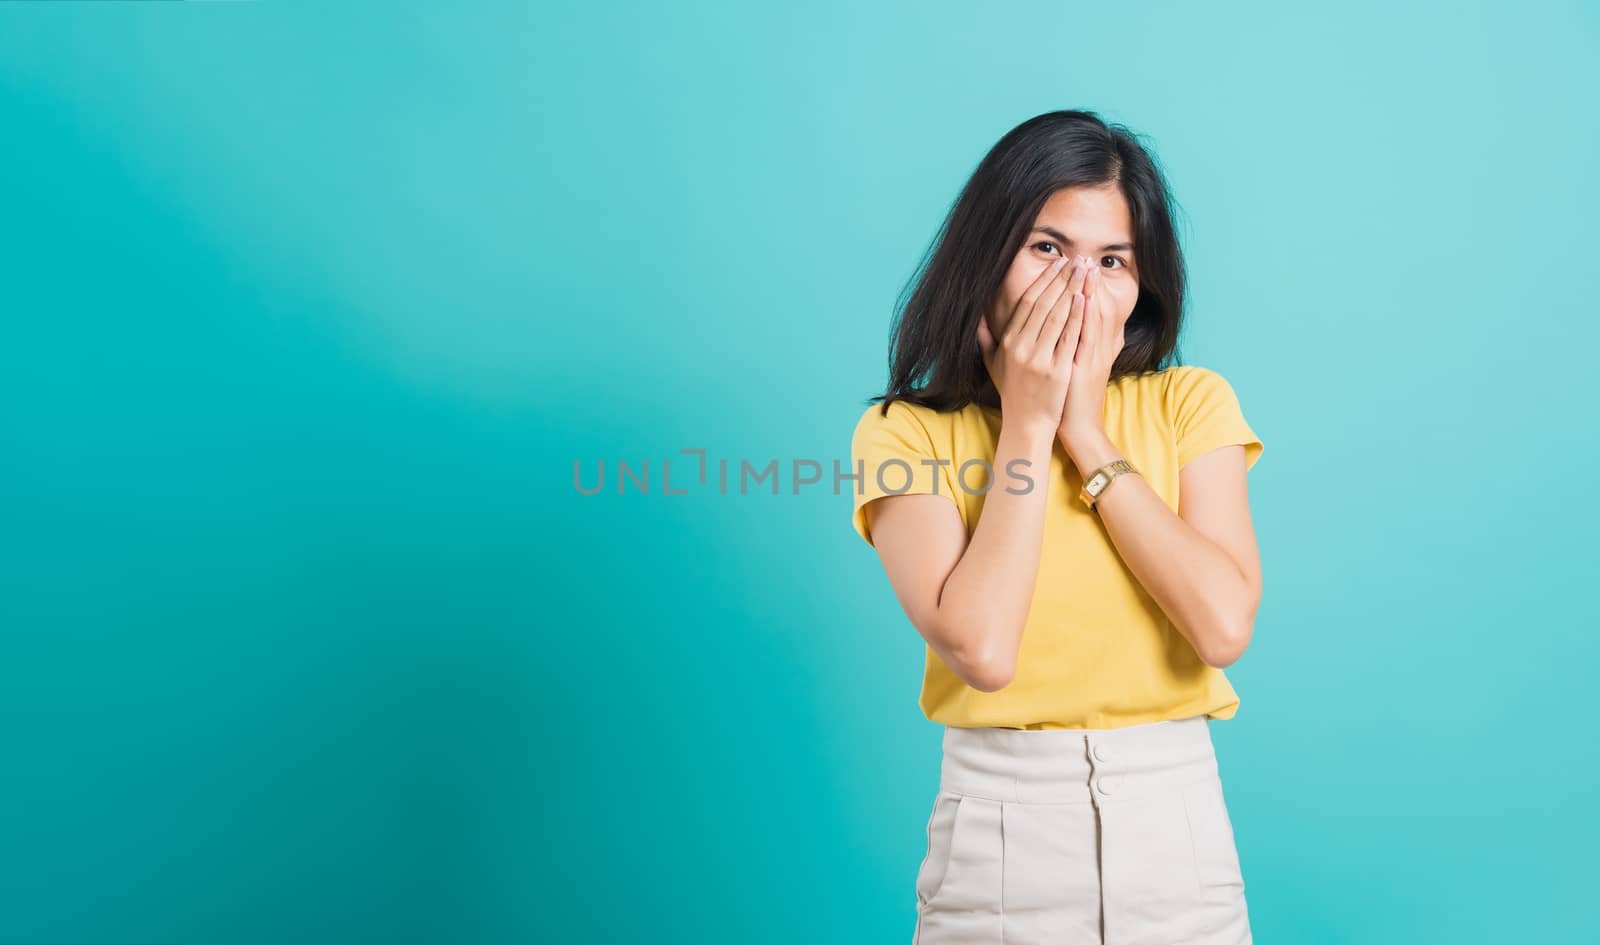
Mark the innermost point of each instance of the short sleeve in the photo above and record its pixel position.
(1206, 414)
(893, 455)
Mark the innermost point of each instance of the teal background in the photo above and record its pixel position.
(310, 308)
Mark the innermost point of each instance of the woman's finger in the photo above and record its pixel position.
(985, 338)
(1089, 341)
(1032, 321)
(1092, 307)
(1056, 312)
(1046, 279)
(1067, 344)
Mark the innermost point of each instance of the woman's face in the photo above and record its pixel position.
(1089, 222)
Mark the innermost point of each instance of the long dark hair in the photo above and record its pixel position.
(934, 359)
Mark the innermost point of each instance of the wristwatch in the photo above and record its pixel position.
(1097, 481)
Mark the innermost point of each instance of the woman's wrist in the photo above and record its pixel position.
(1034, 433)
(1090, 450)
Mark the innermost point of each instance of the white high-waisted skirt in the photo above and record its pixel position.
(1073, 836)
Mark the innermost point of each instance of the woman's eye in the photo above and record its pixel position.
(1120, 263)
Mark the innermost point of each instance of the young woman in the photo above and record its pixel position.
(1064, 517)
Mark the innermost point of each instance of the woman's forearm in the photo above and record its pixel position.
(1200, 588)
(985, 601)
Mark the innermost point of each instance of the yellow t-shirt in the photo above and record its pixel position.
(1097, 651)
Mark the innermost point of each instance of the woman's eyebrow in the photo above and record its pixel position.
(1061, 237)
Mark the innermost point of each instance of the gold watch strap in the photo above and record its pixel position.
(1096, 483)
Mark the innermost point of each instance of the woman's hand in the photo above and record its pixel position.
(1032, 363)
(1101, 340)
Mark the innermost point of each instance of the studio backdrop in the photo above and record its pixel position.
(321, 321)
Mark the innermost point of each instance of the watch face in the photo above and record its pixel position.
(1097, 482)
